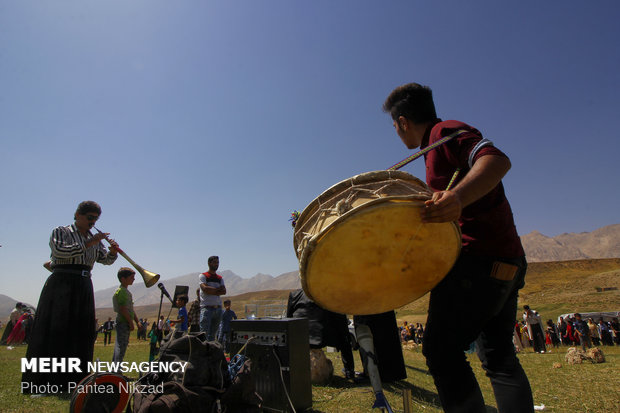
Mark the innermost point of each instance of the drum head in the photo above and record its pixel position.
(378, 259)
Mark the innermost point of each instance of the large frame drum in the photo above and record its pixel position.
(363, 249)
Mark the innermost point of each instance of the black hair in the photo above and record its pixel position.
(413, 101)
(125, 272)
(86, 207)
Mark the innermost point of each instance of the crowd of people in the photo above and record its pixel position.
(569, 331)
(19, 326)
(205, 314)
(186, 321)
(409, 332)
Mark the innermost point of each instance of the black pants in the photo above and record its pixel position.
(107, 337)
(538, 338)
(386, 340)
(7, 332)
(469, 305)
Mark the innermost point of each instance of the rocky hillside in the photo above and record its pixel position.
(601, 243)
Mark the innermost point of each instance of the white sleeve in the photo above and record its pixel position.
(484, 142)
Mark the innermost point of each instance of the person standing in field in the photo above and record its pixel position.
(194, 314)
(64, 324)
(108, 326)
(125, 318)
(211, 288)
(490, 269)
(224, 331)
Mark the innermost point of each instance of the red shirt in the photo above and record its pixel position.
(487, 225)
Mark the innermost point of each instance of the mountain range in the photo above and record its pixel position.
(235, 285)
(601, 243)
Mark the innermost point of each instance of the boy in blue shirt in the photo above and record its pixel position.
(227, 316)
(181, 302)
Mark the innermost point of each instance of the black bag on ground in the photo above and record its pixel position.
(176, 398)
(207, 365)
(241, 396)
(197, 389)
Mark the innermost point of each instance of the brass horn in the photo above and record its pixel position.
(150, 278)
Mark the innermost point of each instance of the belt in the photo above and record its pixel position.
(212, 306)
(69, 270)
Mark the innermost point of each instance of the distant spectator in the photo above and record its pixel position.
(419, 333)
(153, 337)
(224, 331)
(552, 336)
(582, 332)
(594, 333)
(194, 314)
(139, 329)
(181, 320)
(605, 333)
(16, 313)
(569, 338)
(525, 335)
(405, 334)
(166, 327)
(145, 326)
(516, 337)
(18, 334)
(160, 329)
(108, 326)
(562, 331)
(615, 330)
(535, 329)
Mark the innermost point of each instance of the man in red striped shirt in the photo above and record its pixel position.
(490, 269)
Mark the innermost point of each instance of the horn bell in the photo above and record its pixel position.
(150, 278)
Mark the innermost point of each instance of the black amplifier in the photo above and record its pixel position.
(280, 354)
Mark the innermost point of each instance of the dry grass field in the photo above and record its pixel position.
(552, 289)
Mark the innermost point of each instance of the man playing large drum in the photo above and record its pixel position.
(490, 269)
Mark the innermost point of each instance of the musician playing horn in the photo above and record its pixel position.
(490, 269)
(65, 316)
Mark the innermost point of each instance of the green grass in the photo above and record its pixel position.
(11, 400)
(571, 388)
(552, 289)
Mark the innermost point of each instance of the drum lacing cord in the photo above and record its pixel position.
(344, 205)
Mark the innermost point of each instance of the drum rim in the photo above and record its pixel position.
(371, 176)
(78, 399)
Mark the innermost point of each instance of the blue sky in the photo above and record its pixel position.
(200, 125)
